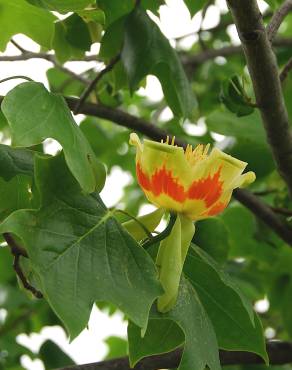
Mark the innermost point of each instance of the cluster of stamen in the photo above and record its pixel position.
(199, 153)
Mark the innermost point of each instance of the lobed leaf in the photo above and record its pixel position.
(35, 114)
(80, 252)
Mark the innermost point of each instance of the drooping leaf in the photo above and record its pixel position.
(231, 314)
(18, 16)
(200, 348)
(147, 51)
(34, 114)
(80, 252)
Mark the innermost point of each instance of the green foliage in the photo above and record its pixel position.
(52, 355)
(34, 114)
(71, 232)
(234, 97)
(81, 253)
(200, 348)
(157, 58)
(18, 16)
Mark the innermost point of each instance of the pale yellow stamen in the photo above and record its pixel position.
(199, 153)
(173, 140)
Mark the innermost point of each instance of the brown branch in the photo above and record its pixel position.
(18, 251)
(226, 51)
(282, 211)
(278, 18)
(279, 353)
(263, 70)
(14, 246)
(124, 119)
(285, 71)
(264, 213)
(94, 82)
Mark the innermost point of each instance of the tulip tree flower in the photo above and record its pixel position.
(193, 184)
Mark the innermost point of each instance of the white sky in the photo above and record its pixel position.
(174, 21)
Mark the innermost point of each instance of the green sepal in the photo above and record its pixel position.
(170, 259)
(149, 221)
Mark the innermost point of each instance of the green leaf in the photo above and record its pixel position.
(15, 162)
(77, 32)
(6, 270)
(147, 51)
(242, 228)
(212, 236)
(231, 314)
(80, 252)
(14, 194)
(62, 6)
(114, 10)
(162, 335)
(34, 114)
(117, 347)
(18, 16)
(200, 347)
(53, 357)
(225, 123)
(195, 6)
(251, 145)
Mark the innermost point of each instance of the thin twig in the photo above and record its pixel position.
(18, 251)
(279, 353)
(14, 246)
(282, 211)
(20, 48)
(25, 283)
(278, 18)
(285, 71)
(93, 83)
(15, 78)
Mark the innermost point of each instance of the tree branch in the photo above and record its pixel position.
(18, 251)
(278, 18)
(286, 70)
(226, 51)
(93, 83)
(264, 213)
(263, 69)
(279, 353)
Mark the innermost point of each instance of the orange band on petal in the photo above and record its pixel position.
(208, 189)
(143, 179)
(161, 182)
(217, 208)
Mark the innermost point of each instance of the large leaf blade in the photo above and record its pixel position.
(34, 114)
